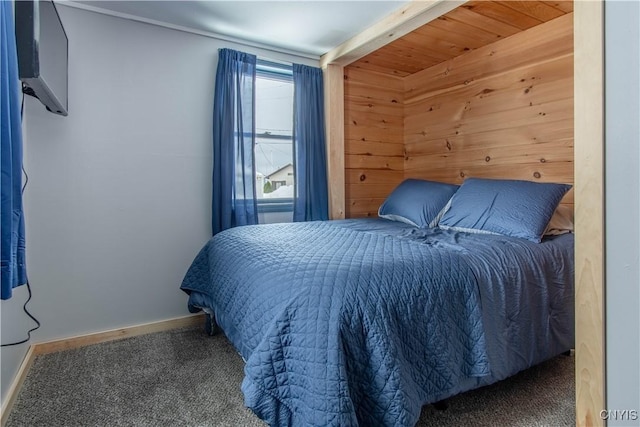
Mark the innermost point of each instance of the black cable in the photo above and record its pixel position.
(26, 177)
(24, 307)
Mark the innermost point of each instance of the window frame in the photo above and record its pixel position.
(282, 72)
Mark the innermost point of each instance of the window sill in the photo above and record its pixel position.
(275, 205)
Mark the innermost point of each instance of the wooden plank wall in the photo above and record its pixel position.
(373, 146)
(504, 110)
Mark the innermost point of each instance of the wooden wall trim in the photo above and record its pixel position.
(13, 391)
(334, 116)
(116, 334)
(589, 212)
(399, 23)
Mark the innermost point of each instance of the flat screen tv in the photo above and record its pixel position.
(42, 46)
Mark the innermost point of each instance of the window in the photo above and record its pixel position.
(274, 141)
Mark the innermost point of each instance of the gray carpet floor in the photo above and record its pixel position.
(185, 378)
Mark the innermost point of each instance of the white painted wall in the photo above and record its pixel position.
(622, 187)
(119, 193)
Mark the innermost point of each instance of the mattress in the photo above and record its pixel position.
(362, 322)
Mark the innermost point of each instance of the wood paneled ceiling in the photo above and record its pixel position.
(470, 26)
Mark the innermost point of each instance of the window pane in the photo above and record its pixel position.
(274, 147)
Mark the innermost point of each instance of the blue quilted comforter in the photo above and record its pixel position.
(342, 324)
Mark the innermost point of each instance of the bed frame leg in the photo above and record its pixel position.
(210, 325)
(441, 405)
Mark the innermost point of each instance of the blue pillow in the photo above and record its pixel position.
(508, 207)
(417, 202)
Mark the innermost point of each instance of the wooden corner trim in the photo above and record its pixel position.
(16, 385)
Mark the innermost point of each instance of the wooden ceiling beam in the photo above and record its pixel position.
(399, 23)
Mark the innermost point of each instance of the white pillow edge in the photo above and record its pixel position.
(397, 218)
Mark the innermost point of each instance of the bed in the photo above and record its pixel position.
(364, 321)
